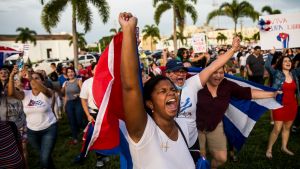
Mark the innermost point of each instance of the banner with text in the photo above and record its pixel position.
(199, 43)
(280, 31)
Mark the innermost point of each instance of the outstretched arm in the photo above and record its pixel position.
(11, 86)
(135, 115)
(260, 94)
(221, 61)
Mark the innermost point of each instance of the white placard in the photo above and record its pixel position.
(199, 43)
(284, 31)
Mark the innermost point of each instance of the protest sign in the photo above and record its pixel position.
(280, 31)
(199, 43)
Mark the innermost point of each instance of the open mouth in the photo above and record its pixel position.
(180, 79)
(171, 104)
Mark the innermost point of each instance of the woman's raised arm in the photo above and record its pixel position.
(218, 63)
(135, 115)
(11, 91)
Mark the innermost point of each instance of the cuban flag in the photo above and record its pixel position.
(241, 115)
(6, 52)
(104, 135)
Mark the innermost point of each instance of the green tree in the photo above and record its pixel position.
(247, 39)
(255, 37)
(115, 31)
(179, 9)
(234, 10)
(104, 41)
(221, 37)
(181, 37)
(270, 11)
(151, 31)
(26, 35)
(81, 13)
(81, 40)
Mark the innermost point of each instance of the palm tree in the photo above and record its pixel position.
(240, 35)
(115, 31)
(247, 39)
(26, 35)
(270, 11)
(256, 37)
(234, 10)
(81, 13)
(81, 40)
(181, 37)
(179, 8)
(221, 37)
(151, 31)
(104, 41)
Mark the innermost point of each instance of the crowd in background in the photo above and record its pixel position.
(35, 101)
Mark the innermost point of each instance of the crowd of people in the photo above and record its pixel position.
(166, 121)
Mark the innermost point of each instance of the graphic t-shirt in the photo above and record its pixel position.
(11, 109)
(188, 102)
(38, 110)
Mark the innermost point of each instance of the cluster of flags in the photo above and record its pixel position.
(105, 136)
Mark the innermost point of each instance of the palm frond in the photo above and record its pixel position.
(161, 8)
(213, 14)
(51, 13)
(192, 11)
(103, 9)
(267, 9)
(84, 14)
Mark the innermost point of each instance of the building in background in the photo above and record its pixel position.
(47, 46)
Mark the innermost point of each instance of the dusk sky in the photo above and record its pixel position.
(26, 13)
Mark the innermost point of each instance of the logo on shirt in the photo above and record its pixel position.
(184, 106)
(35, 103)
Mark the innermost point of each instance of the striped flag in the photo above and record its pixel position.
(6, 52)
(241, 115)
(104, 136)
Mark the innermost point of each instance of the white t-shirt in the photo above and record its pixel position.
(87, 93)
(243, 60)
(151, 152)
(38, 111)
(188, 104)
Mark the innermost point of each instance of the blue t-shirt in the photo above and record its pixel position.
(62, 79)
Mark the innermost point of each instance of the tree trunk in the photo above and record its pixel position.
(174, 29)
(151, 43)
(74, 32)
(235, 23)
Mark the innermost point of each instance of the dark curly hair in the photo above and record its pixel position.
(149, 87)
(279, 62)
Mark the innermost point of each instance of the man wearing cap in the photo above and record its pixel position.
(189, 87)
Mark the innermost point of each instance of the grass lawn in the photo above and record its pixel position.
(251, 156)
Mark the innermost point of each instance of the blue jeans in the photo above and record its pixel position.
(75, 116)
(44, 142)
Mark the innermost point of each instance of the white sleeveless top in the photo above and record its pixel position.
(156, 151)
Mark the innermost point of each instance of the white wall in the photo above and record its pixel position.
(60, 49)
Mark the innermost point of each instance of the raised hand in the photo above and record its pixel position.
(236, 43)
(14, 71)
(127, 20)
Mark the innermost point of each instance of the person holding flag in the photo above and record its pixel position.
(157, 134)
(189, 88)
(217, 93)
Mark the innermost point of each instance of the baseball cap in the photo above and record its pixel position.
(173, 65)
